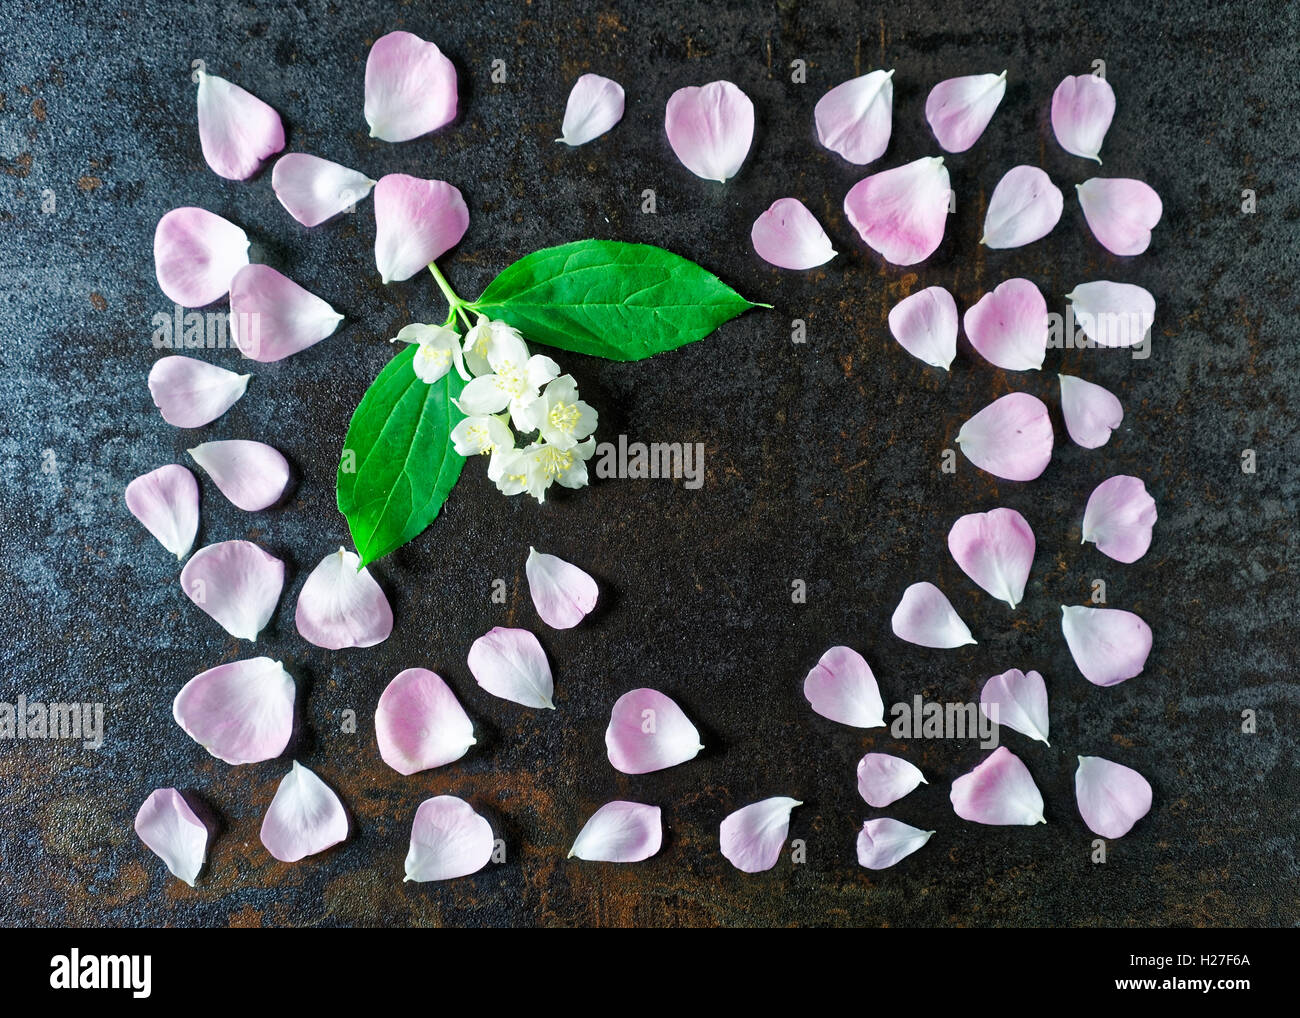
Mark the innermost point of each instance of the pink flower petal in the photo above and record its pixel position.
(563, 594)
(313, 189)
(1113, 314)
(884, 842)
(416, 221)
(959, 109)
(448, 840)
(272, 317)
(1120, 212)
(236, 129)
(925, 325)
(252, 475)
(1082, 108)
(166, 501)
(1091, 412)
(841, 687)
(511, 664)
(410, 88)
(235, 582)
(752, 837)
(901, 213)
(1111, 797)
(1119, 518)
(1108, 645)
(196, 254)
(883, 779)
(620, 832)
(595, 105)
(995, 549)
(172, 831)
(855, 119)
(1009, 327)
(925, 617)
(420, 724)
(341, 605)
(999, 791)
(1011, 438)
(305, 817)
(1023, 208)
(710, 129)
(241, 712)
(191, 393)
(788, 236)
(1018, 700)
(649, 732)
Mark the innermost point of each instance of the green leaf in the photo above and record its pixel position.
(610, 299)
(398, 463)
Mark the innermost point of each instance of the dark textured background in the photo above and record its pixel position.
(823, 464)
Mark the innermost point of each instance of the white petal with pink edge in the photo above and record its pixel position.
(1111, 797)
(196, 254)
(1010, 438)
(1023, 208)
(410, 87)
(855, 119)
(272, 317)
(251, 474)
(241, 712)
(562, 593)
(788, 236)
(620, 832)
(925, 325)
(924, 616)
(341, 605)
(173, 832)
(1082, 108)
(1120, 212)
(1091, 411)
(648, 731)
(996, 550)
(305, 817)
(448, 840)
(190, 393)
(166, 501)
(884, 842)
(883, 778)
(1119, 517)
(1018, 700)
(959, 109)
(235, 582)
(753, 836)
(841, 687)
(1109, 645)
(710, 128)
(511, 664)
(1009, 326)
(419, 723)
(416, 221)
(237, 131)
(313, 189)
(1000, 791)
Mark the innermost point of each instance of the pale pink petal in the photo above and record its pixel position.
(1091, 412)
(313, 189)
(788, 236)
(191, 393)
(996, 550)
(1082, 108)
(448, 840)
(272, 317)
(1119, 518)
(341, 605)
(1011, 438)
(884, 842)
(166, 501)
(305, 817)
(562, 593)
(883, 778)
(901, 213)
(1111, 797)
(410, 88)
(241, 712)
(1108, 645)
(925, 617)
(173, 832)
(752, 837)
(855, 119)
(959, 109)
(925, 325)
(251, 474)
(595, 105)
(1113, 314)
(842, 687)
(1009, 327)
(235, 582)
(710, 129)
(1023, 208)
(999, 791)
(420, 724)
(196, 254)
(416, 221)
(620, 832)
(236, 129)
(511, 664)
(1120, 212)
(1018, 700)
(649, 732)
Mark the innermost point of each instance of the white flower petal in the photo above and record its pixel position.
(511, 664)
(649, 732)
(1023, 208)
(855, 118)
(191, 393)
(240, 712)
(563, 594)
(884, 842)
(925, 325)
(236, 129)
(419, 723)
(883, 778)
(166, 501)
(235, 582)
(595, 105)
(788, 236)
(620, 832)
(959, 109)
(341, 605)
(1091, 412)
(1111, 797)
(753, 836)
(1082, 108)
(842, 687)
(1018, 700)
(1108, 645)
(313, 189)
(305, 817)
(448, 840)
(272, 317)
(925, 617)
(174, 833)
(251, 474)
(1113, 314)
(410, 88)
(710, 129)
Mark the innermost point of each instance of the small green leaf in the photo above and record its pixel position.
(610, 299)
(398, 463)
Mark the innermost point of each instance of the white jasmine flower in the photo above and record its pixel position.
(562, 419)
(475, 436)
(514, 381)
(439, 349)
(478, 338)
(536, 467)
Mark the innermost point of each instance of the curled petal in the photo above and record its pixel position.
(855, 119)
(236, 129)
(172, 831)
(649, 732)
(1111, 797)
(511, 664)
(959, 109)
(410, 88)
(416, 222)
(1082, 108)
(272, 317)
(562, 593)
(901, 213)
(1009, 327)
(1119, 518)
(1011, 438)
(305, 817)
(595, 105)
(925, 325)
(842, 687)
(996, 550)
(240, 712)
(788, 236)
(1113, 314)
(448, 840)
(1120, 212)
(196, 254)
(925, 617)
(883, 778)
(235, 582)
(1018, 700)
(166, 501)
(341, 605)
(884, 842)
(420, 724)
(752, 837)
(999, 791)
(1108, 645)
(620, 832)
(313, 189)
(1091, 412)
(1023, 208)
(191, 393)
(710, 128)
(251, 474)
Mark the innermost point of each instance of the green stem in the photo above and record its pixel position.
(458, 306)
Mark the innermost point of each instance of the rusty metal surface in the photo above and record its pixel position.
(822, 465)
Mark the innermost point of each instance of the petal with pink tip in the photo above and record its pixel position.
(313, 189)
(191, 393)
(925, 325)
(959, 109)
(855, 118)
(448, 840)
(416, 221)
(1119, 518)
(710, 129)
(1111, 797)
(1120, 212)
(562, 593)
(272, 317)
(883, 778)
(241, 712)
(166, 501)
(251, 474)
(1082, 108)
(420, 724)
(925, 617)
(341, 605)
(1023, 208)
(1108, 645)
(1009, 327)
(752, 837)
(1113, 314)
(236, 129)
(995, 549)
(620, 832)
(1018, 700)
(595, 105)
(173, 832)
(842, 687)
(1010, 438)
(305, 817)
(196, 254)
(511, 664)
(788, 236)
(649, 732)
(1091, 412)
(235, 582)
(901, 213)
(410, 88)
(999, 791)
(884, 842)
